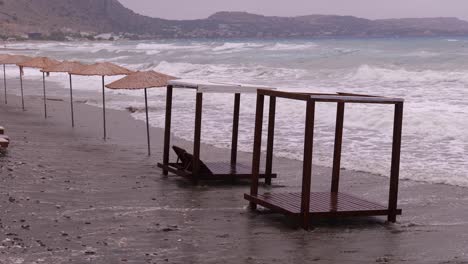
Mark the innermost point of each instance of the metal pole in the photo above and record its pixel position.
(270, 140)
(4, 83)
(197, 137)
(338, 145)
(71, 101)
(104, 108)
(45, 98)
(307, 167)
(257, 148)
(167, 129)
(147, 122)
(395, 167)
(235, 130)
(21, 84)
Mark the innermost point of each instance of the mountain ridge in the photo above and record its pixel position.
(68, 17)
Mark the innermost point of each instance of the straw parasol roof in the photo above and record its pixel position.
(141, 80)
(3, 56)
(102, 69)
(14, 59)
(66, 66)
(39, 62)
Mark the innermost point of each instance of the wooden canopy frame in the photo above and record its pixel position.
(219, 170)
(305, 204)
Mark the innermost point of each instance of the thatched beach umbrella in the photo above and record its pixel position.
(142, 80)
(10, 60)
(37, 63)
(67, 67)
(102, 69)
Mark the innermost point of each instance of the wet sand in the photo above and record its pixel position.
(67, 196)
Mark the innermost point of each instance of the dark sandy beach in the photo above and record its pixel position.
(66, 196)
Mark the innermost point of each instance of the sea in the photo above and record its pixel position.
(431, 74)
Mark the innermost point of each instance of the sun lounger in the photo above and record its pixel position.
(209, 170)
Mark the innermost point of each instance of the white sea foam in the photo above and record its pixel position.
(236, 47)
(155, 48)
(366, 73)
(434, 139)
(290, 46)
(225, 72)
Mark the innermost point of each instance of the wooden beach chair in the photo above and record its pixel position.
(305, 205)
(209, 170)
(189, 165)
(184, 161)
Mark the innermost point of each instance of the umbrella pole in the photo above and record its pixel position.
(45, 98)
(71, 102)
(104, 107)
(4, 83)
(21, 84)
(147, 122)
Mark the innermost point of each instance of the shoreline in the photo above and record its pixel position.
(367, 134)
(93, 99)
(72, 189)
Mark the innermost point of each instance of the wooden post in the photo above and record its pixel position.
(21, 84)
(5, 83)
(307, 167)
(197, 138)
(395, 167)
(257, 148)
(71, 102)
(235, 130)
(270, 140)
(104, 109)
(147, 123)
(167, 129)
(45, 97)
(338, 143)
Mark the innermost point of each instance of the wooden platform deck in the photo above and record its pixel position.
(322, 204)
(219, 171)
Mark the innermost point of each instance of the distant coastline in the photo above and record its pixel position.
(4, 42)
(110, 20)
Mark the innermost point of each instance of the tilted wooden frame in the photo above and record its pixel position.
(305, 205)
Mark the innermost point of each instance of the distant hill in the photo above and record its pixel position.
(68, 17)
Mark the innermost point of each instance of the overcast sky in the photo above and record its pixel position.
(192, 9)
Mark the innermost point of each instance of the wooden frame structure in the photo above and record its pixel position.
(307, 204)
(227, 171)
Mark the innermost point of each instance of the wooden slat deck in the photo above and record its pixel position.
(322, 204)
(225, 168)
(220, 171)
